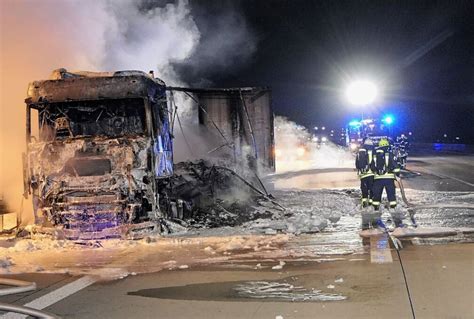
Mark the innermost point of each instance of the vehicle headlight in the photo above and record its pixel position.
(324, 139)
(300, 151)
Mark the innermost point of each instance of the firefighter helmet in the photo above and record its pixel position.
(383, 142)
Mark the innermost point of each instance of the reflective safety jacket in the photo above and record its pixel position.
(384, 164)
(402, 141)
(363, 162)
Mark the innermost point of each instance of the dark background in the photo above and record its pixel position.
(421, 52)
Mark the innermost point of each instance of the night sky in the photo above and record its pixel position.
(420, 52)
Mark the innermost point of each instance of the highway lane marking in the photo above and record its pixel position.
(454, 178)
(447, 176)
(55, 295)
(380, 250)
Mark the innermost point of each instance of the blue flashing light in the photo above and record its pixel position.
(388, 120)
(354, 123)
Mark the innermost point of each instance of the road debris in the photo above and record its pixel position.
(210, 195)
(279, 266)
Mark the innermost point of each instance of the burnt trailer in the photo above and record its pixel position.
(102, 147)
(242, 118)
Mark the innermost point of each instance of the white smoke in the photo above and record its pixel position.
(295, 150)
(97, 35)
(149, 39)
(118, 35)
(227, 33)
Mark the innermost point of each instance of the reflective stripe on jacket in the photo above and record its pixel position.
(361, 174)
(390, 166)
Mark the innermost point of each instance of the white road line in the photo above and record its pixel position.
(449, 177)
(456, 179)
(55, 295)
(380, 250)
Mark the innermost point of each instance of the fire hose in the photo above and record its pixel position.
(411, 210)
(397, 244)
(20, 286)
(27, 311)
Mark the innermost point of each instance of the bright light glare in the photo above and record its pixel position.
(324, 139)
(388, 120)
(300, 151)
(361, 92)
(354, 123)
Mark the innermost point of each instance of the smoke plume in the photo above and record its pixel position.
(296, 150)
(39, 36)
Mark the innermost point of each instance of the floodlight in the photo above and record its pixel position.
(361, 92)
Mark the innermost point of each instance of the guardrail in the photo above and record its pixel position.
(442, 147)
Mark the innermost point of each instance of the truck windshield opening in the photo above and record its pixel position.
(111, 118)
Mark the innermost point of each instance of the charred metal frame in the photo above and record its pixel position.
(246, 122)
(131, 188)
(126, 199)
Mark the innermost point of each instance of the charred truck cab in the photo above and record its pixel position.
(102, 149)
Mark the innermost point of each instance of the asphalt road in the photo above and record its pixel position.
(429, 171)
(447, 172)
(440, 277)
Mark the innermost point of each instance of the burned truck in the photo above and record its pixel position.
(99, 160)
(102, 144)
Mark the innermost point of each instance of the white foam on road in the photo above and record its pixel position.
(55, 295)
(283, 291)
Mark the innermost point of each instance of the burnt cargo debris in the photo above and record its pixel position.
(99, 159)
(205, 195)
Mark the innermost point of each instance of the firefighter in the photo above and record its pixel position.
(385, 168)
(403, 141)
(363, 162)
(402, 149)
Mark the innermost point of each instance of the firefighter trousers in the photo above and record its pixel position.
(366, 185)
(379, 185)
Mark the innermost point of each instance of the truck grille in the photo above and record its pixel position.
(91, 213)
